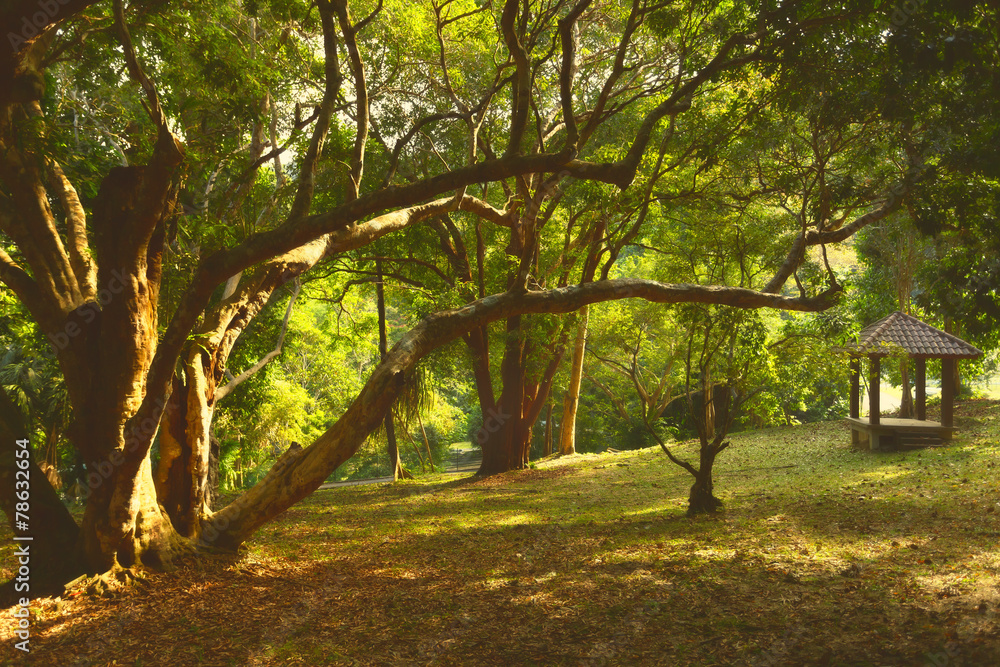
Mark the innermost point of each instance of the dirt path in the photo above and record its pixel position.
(461, 461)
(464, 461)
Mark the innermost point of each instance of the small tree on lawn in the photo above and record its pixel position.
(722, 345)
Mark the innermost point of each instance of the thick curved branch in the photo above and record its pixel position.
(486, 211)
(361, 235)
(797, 253)
(299, 473)
(280, 269)
(33, 229)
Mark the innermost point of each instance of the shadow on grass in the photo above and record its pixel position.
(659, 590)
(823, 557)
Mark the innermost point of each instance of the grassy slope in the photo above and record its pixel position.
(823, 556)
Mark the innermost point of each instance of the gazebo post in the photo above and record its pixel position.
(855, 397)
(921, 389)
(947, 392)
(874, 385)
(855, 389)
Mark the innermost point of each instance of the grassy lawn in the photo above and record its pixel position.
(992, 388)
(823, 555)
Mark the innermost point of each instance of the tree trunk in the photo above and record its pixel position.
(701, 499)
(528, 401)
(392, 447)
(184, 469)
(906, 402)
(505, 436)
(215, 457)
(567, 437)
(548, 430)
(500, 436)
(708, 407)
(123, 523)
(187, 474)
(540, 396)
(477, 342)
(53, 531)
(427, 443)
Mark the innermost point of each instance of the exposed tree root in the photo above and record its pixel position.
(106, 584)
(701, 500)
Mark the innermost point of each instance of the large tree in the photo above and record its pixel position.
(93, 226)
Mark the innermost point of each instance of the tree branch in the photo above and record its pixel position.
(299, 475)
(360, 91)
(567, 74)
(226, 389)
(797, 253)
(521, 92)
(76, 227)
(27, 292)
(136, 72)
(331, 64)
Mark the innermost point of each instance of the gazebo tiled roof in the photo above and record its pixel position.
(918, 339)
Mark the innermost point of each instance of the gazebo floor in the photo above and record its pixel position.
(891, 433)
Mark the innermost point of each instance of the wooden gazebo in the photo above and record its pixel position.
(921, 342)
